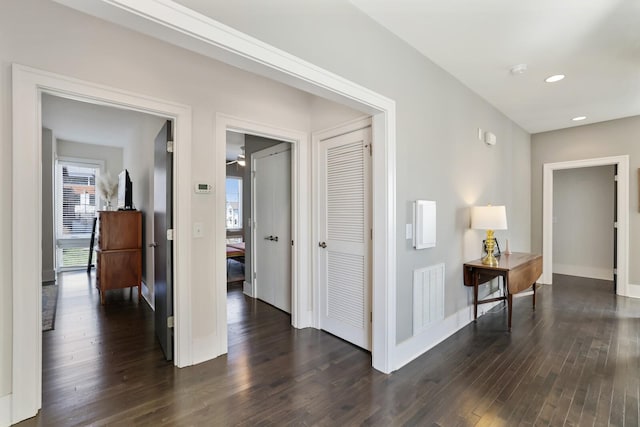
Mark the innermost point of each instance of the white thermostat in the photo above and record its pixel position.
(203, 188)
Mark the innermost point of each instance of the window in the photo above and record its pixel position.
(234, 203)
(76, 203)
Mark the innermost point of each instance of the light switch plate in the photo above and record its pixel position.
(198, 230)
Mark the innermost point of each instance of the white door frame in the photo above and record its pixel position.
(28, 86)
(623, 215)
(300, 218)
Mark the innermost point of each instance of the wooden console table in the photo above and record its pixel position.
(519, 271)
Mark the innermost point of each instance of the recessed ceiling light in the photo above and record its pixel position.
(577, 119)
(554, 78)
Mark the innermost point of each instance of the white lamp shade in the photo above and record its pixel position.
(489, 218)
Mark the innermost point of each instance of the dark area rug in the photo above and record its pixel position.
(49, 305)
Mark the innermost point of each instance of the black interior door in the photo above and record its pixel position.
(615, 230)
(163, 248)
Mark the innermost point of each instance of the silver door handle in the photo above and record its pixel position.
(153, 245)
(275, 239)
(268, 238)
(322, 245)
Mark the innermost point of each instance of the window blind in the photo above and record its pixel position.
(77, 202)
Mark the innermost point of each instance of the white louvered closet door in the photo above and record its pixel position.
(345, 237)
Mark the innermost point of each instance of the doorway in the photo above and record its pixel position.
(89, 147)
(30, 85)
(622, 208)
(244, 139)
(584, 219)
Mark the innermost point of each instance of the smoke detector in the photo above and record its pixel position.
(518, 69)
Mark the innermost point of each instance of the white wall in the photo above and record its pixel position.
(438, 155)
(612, 138)
(583, 205)
(44, 35)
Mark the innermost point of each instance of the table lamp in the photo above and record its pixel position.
(489, 218)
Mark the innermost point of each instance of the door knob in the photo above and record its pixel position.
(153, 245)
(268, 238)
(322, 245)
(275, 238)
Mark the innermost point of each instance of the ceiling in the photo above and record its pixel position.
(595, 43)
(88, 123)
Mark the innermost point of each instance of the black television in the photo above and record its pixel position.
(125, 191)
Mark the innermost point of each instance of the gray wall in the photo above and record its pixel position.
(583, 207)
(612, 138)
(48, 228)
(438, 154)
(111, 156)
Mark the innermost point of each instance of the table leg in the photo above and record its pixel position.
(509, 308)
(534, 295)
(475, 296)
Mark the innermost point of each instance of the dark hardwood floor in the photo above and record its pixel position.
(574, 361)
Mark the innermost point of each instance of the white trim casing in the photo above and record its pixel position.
(583, 271)
(28, 85)
(172, 22)
(5, 411)
(623, 215)
(633, 290)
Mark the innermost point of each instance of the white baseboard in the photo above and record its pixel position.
(5, 411)
(247, 288)
(417, 345)
(583, 271)
(633, 291)
(146, 295)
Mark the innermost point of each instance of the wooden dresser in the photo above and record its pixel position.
(119, 252)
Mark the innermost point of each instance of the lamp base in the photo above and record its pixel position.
(490, 260)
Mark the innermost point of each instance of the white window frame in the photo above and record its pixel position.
(71, 242)
(241, 209)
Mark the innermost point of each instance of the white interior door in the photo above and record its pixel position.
(272, 225)
(345, 237)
